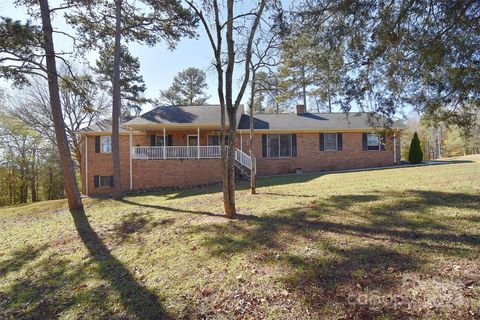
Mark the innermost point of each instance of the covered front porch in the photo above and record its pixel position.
(181, 143)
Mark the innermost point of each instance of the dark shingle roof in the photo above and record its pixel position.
(182, 115)
(105, 125)
(312, 121)
(206, 115)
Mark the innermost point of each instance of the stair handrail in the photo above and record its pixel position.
(243, 158)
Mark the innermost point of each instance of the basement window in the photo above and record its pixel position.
(105, 181)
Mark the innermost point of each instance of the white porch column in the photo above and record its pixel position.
(131, 157)
(86, 164)
(198, 143)
(394, 148)
(164, 144)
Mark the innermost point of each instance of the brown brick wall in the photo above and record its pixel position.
(310, 158)
(167, 173)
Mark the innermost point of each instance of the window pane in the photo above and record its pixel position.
(213, 140)
(273, 150)
(192, 140)
(330, 141)
(373, 141)
(285, 145)
(105, 181)
(159, 141)
(106, 142)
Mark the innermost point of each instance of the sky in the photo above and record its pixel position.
(158, 64)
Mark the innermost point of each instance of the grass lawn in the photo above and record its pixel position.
(387, 244)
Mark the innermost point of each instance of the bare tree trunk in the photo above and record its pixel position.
(304, 88)
(251, 140)
(117, 190)
(229, 165)
(329, 97)
(50, 184)
(71, 186)
(33, 181)
(227, 106)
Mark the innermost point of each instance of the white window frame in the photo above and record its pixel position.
(279, 153)
(378, 144)
(101, 185)
(102, 141)
(325, 141)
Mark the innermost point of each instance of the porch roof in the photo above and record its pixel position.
(186, 116)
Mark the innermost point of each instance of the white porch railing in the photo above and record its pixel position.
(187, 152)
(176, 152)
(243, 158)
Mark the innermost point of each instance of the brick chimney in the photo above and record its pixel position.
(301, 109)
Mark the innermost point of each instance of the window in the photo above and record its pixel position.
(373, 141)
(214, 140)
(330, 141)
(106, 144)
(192, 140)
(103, 181)
(159, 140)
(279, 145)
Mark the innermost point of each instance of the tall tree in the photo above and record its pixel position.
(21, 45)
(102, 22)
(188, 88)
(418, 54)
(238, 32)
(20, 146)
(295, 71)
(83, 103)
(264, 57)
(132, 86)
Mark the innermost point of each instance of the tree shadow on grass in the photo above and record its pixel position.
(20, 258)
(135, 298)
(277, 180)
(52, 286)
(336, 261)
(170, 209)
(135, 223)
(344, 282)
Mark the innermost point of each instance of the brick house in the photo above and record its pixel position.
(180, 146)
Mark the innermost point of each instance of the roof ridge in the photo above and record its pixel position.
(294, 113)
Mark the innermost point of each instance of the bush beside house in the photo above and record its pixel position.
(415, 154)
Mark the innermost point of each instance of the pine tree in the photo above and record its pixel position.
(415, 154)
(188, 88)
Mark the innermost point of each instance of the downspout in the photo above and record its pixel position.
(164, 144)
(394, 148)
(198, 143)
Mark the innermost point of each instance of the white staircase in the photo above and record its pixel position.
(243, 162)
